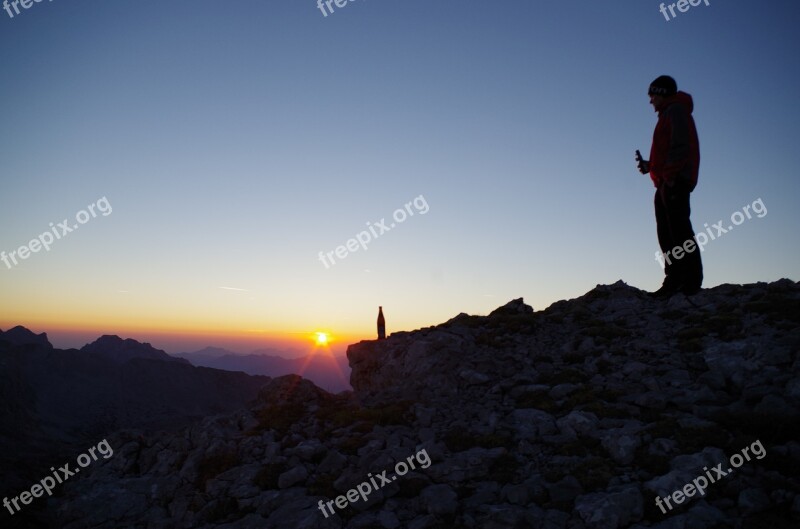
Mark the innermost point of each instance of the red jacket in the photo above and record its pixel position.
(675, 154)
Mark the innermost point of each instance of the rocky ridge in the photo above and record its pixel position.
(569, 418)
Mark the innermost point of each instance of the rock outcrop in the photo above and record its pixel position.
(574, 417)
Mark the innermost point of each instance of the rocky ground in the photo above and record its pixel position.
(574, 417)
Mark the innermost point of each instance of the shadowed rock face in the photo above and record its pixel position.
(54, 403)
(572, 417)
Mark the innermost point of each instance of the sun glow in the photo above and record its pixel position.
(322, 338)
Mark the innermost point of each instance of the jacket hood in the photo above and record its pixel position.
(681, 97)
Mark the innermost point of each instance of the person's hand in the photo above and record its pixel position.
(642, 164)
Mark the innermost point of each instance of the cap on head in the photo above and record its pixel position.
(663, 86)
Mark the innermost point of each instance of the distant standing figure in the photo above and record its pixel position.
(673, 166)
(381, 325)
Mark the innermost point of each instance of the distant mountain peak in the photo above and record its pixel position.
(19, 335)
(122, 350)
(108, 339)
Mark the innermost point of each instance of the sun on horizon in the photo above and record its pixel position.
(322, 338)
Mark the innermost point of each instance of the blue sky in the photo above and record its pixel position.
(237, 140)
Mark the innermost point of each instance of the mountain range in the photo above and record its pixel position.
(329, 372)
(54, 402)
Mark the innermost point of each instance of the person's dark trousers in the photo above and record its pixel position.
(674, 229)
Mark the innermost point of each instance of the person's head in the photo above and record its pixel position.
(660, 89)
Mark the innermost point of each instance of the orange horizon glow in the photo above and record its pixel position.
(176, 340)
(186, 320)
(207, 321)
(249, 333)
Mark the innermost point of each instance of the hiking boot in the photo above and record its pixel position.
(666, 291)
(690, 290)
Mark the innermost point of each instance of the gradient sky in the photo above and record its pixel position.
(236, 140)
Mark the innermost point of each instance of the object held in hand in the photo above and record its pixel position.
(644, 165)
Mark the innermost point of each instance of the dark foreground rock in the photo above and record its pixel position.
(575, 417)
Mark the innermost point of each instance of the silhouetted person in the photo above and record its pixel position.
(381, 325)
(673, 166)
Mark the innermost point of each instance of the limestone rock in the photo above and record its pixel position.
(575, 417)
